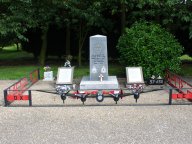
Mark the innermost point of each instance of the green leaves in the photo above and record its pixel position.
(20, 15)
(150, 46)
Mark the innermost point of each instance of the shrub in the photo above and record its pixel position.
(150, 46)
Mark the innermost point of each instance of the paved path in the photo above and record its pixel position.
(96, 124)
(151, 120)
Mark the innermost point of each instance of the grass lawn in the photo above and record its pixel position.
(17, 72)
(11, 53)
(10, 56)
(13, 68)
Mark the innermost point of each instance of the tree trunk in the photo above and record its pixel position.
(80, 45)
(123, 17)
(43, 48)
(82, 36)
(68, 40)
(17, 44)
(80, 53)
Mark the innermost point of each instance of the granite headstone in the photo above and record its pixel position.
(98, 58)
(98, 78)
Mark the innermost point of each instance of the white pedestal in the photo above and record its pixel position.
(48, 76)
(111, 83)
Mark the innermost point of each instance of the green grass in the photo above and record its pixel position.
(19, 70)
(15, 72)
(11, 48)
(11, 53)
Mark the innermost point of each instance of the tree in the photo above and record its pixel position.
(79, 18)
(86, 15)
(27, 14)
(21, 15)
(150, 46)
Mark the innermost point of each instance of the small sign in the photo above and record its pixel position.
(65, 75)
(134, 75)
(155, 81)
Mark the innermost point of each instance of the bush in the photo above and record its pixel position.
(150, 46)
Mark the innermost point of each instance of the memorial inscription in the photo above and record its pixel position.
(98, 57)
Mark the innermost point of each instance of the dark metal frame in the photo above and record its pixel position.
(181, 86)
(34, 76)
(171, 79)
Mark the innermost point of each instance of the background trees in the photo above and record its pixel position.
(62, 27)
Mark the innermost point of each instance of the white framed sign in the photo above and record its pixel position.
(65, 75)
(48, 76)
(134, 75)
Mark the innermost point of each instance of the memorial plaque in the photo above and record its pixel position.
(98, 78)
(134, 75)
(48, 76)
(98, 57)
(65, 75)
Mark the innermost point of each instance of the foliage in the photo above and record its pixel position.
(6, 40)
(86, 15)
(150, 46)
(83, 18)
(19, 15)
(186, 58)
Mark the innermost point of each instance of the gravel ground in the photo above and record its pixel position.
(150, 120)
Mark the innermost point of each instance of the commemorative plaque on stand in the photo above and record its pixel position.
(48, 76)
(134, 76)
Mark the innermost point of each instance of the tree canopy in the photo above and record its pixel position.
(78, 19)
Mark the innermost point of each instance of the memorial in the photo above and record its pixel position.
(98, 78)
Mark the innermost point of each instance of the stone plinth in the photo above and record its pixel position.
(87, 84)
